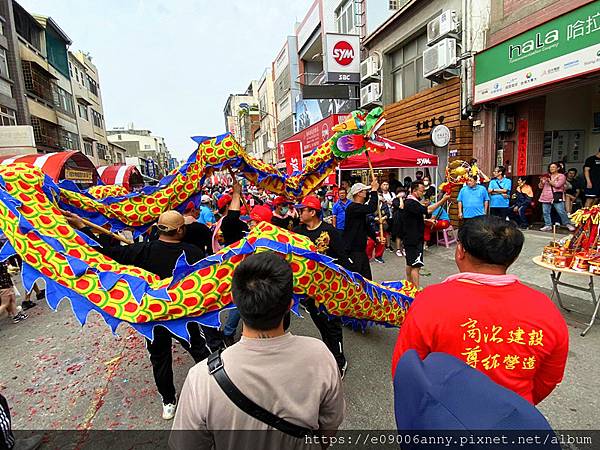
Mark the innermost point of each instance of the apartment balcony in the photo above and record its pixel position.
(47, 134)
(38, 81)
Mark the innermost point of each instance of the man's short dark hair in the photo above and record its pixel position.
(491, 240)
(415, 185)
(262, 289)
(501, 169)
(342, 189)
(572, 169)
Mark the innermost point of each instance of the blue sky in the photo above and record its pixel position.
(168, 66)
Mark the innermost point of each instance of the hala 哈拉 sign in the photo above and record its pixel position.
(562, 48)
(341, 58)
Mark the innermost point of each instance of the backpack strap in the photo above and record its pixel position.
(217, 370)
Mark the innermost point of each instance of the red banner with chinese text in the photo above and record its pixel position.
(292, 151)
(523, 132)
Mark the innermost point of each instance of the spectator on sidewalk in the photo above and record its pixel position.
(292, 377)
(522, 201)
(591, 172)
(573, 190)
(339, 209)
(489, 319)
(8, 299)
(552, 196)
(499, 189)
(473, 199)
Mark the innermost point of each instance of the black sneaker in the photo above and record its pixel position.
(28, 304)
(343, 369)
(20, 317)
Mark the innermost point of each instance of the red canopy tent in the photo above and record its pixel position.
(395, 156)
(70, 165)
(121, 174)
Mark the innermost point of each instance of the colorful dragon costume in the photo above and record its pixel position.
(36, 230)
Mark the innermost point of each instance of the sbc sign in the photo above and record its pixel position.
(342, 60)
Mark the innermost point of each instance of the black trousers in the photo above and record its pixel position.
(161, 356)
(360, 262)
(330, 329)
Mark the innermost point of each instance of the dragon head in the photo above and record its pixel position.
(354, 133)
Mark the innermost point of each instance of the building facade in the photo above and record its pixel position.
(149, 151)
(90, 112)
(286, 87)
(266, 135)
(537, 86)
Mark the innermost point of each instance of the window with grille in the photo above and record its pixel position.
(97, 119)
(344, 17)
(36, 82)
(83, 111)
(102, 151)
(69, 141)
(407, 69)
(394, 4)
(45, 133)
(8, 117)
(4, 64)
(63, 100)
(92, 85)
(88, 148)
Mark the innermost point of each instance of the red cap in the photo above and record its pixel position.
(310, 201)
(281, 200)
(223, 201)
(261, 213)
(190, 206)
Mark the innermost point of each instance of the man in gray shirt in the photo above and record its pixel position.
(295, 378)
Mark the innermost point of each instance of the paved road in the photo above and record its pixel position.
(58, 375)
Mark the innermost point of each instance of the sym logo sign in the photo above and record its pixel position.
(342, 61)
(343, 53)
(423, 162)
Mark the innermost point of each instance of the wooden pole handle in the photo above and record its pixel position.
(378, 208)
(231, 172)
(99, 229)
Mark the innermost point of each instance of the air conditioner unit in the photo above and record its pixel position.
(442, 26)
(370, 94)
(439, 59)
(368, 68)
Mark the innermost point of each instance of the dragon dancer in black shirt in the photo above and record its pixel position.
(159, 257)
(329, 242)
(356, 229)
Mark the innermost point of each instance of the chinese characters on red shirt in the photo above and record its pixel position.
(474, 335)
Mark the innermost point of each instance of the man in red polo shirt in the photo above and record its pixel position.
(493, 322)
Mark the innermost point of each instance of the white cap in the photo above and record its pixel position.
(205, 199)
(358, 187)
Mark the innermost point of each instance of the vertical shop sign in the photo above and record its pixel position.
(293, 156)
(522, 147)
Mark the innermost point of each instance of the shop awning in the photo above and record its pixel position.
(71, 165)
(395, 156)
(121, 174)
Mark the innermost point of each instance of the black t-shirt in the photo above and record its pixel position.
(575, 184)
(286, 223)
(356, 229)
(198, 234)
(328, 241)
(593, 162)
(233, 228)
(413, 222)
(158, 257)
